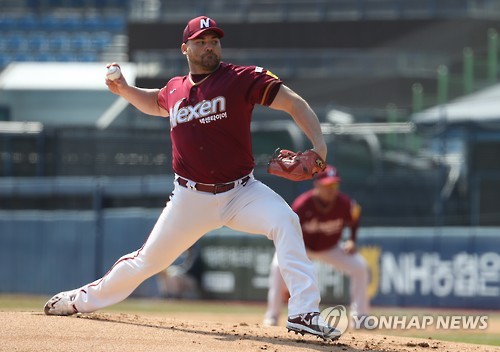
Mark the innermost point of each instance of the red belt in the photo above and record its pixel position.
(215, 188)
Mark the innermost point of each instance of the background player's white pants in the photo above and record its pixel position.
(252, 208)
(353, 266)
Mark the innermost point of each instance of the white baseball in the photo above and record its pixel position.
(113, 73)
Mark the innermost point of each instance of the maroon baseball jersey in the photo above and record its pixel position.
(210, 121)
(322, 224)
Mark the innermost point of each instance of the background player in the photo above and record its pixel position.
(182, 278)
(210, 111)
(324, 212)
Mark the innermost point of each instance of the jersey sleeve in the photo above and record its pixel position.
(264, 87)
(162, 98)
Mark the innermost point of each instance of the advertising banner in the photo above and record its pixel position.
(427, 267)
(449, 267)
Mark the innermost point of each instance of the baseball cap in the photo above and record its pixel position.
(198, 25)
(330, 175)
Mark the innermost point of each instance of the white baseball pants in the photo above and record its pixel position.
(253, 208)
(354, 266)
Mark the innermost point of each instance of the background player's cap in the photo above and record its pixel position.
(199, 25)
(330, 175)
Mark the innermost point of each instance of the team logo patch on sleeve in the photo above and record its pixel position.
(259, 69)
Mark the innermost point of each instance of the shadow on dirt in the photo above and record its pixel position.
(229, 332)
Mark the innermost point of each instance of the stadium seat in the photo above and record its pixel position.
(81, 41)
(7, 23)
(92, 23)
(101, 40)
(37, 41)
(28, 22)
(59, 41)
(5, 59)
(71, 23)
(49, 22)
(23, 57)
(15, 41)
(67, 57)
(113, 23)
(89, 56)
(45, 57)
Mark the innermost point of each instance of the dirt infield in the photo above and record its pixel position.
(31, 331)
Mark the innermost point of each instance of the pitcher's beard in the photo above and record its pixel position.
(210, 62)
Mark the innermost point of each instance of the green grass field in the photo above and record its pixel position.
(255, 311)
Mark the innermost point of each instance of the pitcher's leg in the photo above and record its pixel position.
(275, 294)
(173, 233)
(258, 209)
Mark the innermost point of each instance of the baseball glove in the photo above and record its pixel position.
(293, 166)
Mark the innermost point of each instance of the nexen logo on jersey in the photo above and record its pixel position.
(326, 227)
(206, 111)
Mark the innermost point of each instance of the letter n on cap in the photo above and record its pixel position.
(205, 23)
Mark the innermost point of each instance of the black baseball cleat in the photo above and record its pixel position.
(313, 324)
(61, 304)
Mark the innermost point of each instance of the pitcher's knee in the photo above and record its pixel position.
(148, 266)
(286, 223)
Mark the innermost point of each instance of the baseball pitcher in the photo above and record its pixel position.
(210, 111)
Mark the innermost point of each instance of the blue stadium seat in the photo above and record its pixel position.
(49, 22)
(45, 57)
(81, 41)
(7, 23)
(15, 41)
(77, 3)
(38, 34)
(5, 59)
(37, 41)
(89, 56)
(100, 40)
(113, 23)
(106, 4)
(67, 57)
(71, 23)
(3, 43)
(92, 23)
(23, 57)
(28, 22)
(59, 41)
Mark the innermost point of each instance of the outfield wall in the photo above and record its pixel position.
(46, 252)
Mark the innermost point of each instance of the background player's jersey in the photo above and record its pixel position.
(210, 121)
(322, 224)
